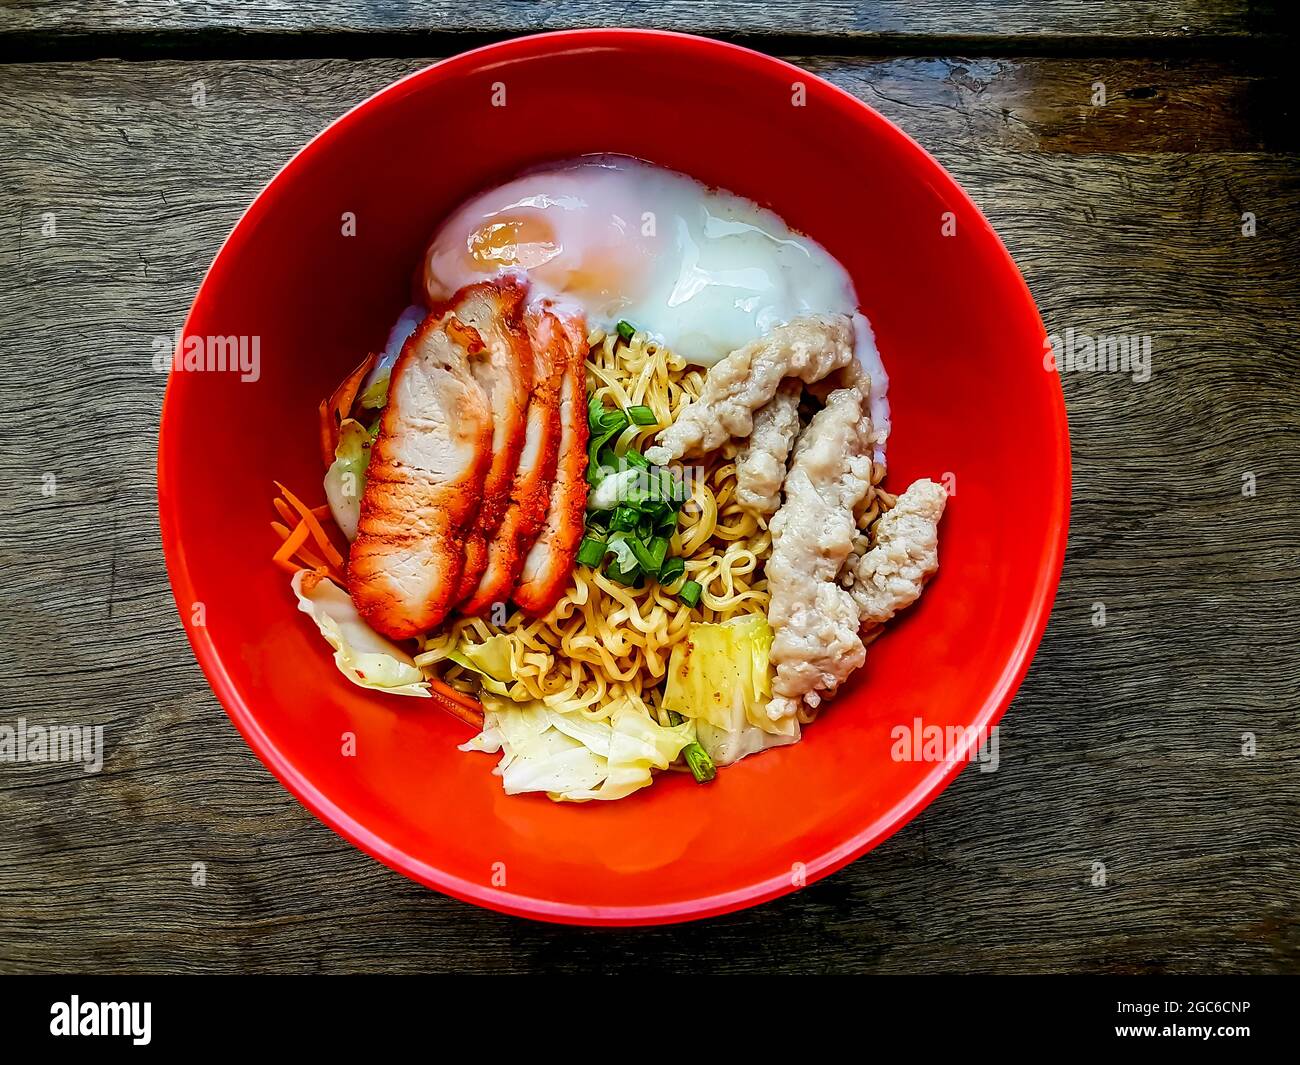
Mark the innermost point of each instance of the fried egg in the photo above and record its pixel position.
(614, 239)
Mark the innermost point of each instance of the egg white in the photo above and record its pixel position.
(701, 270)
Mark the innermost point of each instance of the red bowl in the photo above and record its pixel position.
(962, 341)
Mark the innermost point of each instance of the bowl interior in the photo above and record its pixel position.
(971, 400)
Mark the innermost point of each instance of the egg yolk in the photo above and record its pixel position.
(526, 242)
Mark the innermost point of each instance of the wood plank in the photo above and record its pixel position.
(325, 27)
(1123, 746)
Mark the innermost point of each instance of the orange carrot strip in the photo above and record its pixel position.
(314, 563)
(338, 406)
(457, 710)
(290, 515)
(340, 403)
(291, 544)
(311, 561)
(318, 534)
(448, 692)
(328, 433)
(286, 512)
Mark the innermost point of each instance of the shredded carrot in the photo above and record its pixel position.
(339, 406)
(291, 516)
(467, 715)
(328, 549)
(448, 692)
(291, 543)
(340, 403)
(314, 562)
(327, 432)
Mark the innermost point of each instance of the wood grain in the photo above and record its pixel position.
(1123, 746)
(51, 29)
(1139, 18)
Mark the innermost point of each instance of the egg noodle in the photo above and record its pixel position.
(606, 642)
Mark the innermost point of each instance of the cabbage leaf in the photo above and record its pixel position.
(721, 674)
(571, 757)
(361, 654)
(345, 480)
(489, 659)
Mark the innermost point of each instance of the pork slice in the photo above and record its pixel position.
(423, 483)
(531, 492)
(548, 566)
(504, 371)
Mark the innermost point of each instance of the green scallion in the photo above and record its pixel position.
(689, 593)
(650, 555)
(626, 330)
(591, 551)
(641, 415)
(627, 576)
(658, 551)
(671, 569)
(701, 765)
(604, 427)
(624, 519)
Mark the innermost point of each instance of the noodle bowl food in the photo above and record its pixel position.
(612, 493)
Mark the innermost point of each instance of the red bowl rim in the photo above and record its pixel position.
(706, 49)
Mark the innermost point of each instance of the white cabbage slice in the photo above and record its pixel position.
(721, 677)
(490, 659)
(637, 746)
(361, 654)
(572, 758)
(729, 745)
(345, 480)
(721, 674)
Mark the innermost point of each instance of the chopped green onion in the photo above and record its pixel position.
(591, 551)
(624, 519)
(658, 512)
(641, 415)
(643, 556)
(604, 427)
(689, 593)
(635, 458)
(671, 569)
(658, 551)
(627, 576)
(702, 767)
(626, 330)
(649, 556)
(595, 408)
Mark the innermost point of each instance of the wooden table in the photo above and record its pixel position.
(1125, 745)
